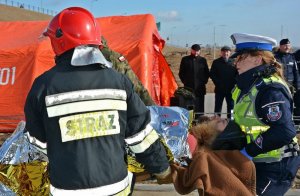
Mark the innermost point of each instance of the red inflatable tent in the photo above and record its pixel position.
(24, 56)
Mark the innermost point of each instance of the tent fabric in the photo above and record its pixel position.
(24, 56)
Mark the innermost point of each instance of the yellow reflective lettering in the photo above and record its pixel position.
(88, 125)
(71, 126)
(111, 122)
(102, 123)
(90, 122)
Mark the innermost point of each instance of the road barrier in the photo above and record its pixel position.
(28, 7)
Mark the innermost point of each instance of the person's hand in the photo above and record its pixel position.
(165, 177)
(244, 152)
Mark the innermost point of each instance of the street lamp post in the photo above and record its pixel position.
(171, 37)
(187, 38)
(215, 44)
(42, 11)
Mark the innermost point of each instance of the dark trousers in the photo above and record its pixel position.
(219, 98)
(199, 104)
(276, 178)
(132, 185)
(296, 99)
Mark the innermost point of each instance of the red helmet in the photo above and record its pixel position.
(73, 27)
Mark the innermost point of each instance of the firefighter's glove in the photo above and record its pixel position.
(164, 177)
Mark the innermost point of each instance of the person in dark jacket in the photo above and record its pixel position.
(87, 112)
(297, 56)
(291, 72)
(297, 94)
(223, 74)
(194, 74)
(288, 61)
(263, 109)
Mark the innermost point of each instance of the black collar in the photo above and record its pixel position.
(64, 57)
(246, 80)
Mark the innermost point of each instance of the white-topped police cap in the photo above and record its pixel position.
(246, 42)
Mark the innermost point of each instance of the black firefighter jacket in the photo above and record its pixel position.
(86, 114)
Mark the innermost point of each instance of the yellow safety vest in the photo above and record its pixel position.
(245, 115)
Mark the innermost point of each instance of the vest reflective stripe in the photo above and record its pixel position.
(121, 188)
(245, 115)
(146, 143)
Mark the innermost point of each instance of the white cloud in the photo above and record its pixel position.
(169, 16)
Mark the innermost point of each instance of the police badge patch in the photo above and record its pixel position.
(274, 113)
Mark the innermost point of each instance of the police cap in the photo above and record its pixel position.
(250, 42)
(284, 41)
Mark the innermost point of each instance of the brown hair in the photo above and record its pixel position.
(204, 131)
(269, 59)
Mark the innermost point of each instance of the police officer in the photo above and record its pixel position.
(297, 94)
(291, 72)
(263, 109)
(86, 112)
(194, 74)
(223, 74)
(287, 59)
(297, 56)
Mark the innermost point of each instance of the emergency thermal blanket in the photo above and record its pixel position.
(24, 56)
(23, 167)
(172, 124)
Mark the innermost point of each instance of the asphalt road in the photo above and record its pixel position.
(210, 105)
(168, 190)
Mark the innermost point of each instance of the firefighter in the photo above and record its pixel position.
(86, 112)
(263, 109)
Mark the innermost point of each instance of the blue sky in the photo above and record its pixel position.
(201, 21)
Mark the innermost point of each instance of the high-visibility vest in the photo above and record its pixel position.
(245, 115)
